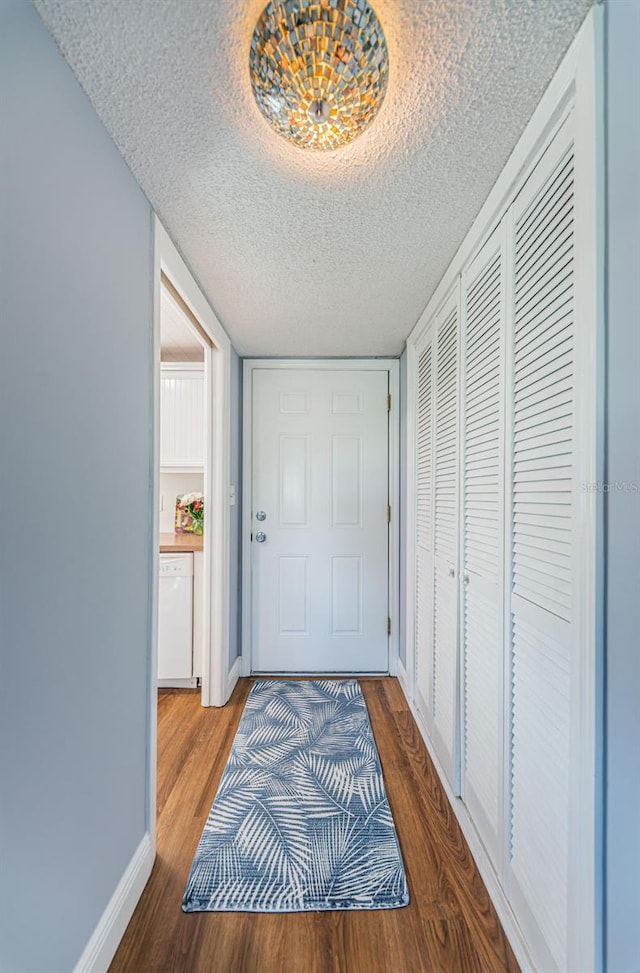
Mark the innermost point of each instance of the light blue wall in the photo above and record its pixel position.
(622, 506)
(75, 420)
(403, 508)
(235, 526)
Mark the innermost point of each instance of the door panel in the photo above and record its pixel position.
(436, 511)
(543, 550)
(445, 502)
(482, 531)
(320, 476)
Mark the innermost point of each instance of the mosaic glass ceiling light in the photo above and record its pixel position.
(319, 69)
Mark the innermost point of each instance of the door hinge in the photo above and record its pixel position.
(388, 626)
(388, 514)
(388, 403)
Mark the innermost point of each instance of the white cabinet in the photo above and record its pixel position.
(198, 614)
(182, 417)
(175, 618)
(181, 622)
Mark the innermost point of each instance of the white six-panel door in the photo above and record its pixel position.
(320, 492)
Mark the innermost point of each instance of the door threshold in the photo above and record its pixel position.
(318, 675)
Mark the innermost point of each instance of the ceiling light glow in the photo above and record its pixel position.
(319, 69)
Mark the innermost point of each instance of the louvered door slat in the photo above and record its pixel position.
(477, 460)
(543, 317)
(541, 485)
(549, 256)
(549, 225)
(482, 510)
(554, 444)
(538, 336)
(484, 411)
(546, 391)
(480, 379)
(541, 314)
(547, 368)
(477, 300)
(534, 554)
(557, 338)
(545, 545)
(533, 306)
(556, 356)
(483, 443)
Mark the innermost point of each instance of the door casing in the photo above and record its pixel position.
(392, 367)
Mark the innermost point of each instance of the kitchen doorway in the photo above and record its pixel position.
(183, 610)
(210, 452)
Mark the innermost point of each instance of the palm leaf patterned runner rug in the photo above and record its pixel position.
(301, 820)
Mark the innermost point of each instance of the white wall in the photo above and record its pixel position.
(171, 486)
(75, 433)
(622, 501)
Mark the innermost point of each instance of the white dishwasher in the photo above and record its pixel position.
(175, 619)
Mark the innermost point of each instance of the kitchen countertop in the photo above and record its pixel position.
(176, 543)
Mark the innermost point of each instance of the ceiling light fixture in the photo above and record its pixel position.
(319, 69)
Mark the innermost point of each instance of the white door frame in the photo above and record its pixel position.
(168, 262)
(392, 367)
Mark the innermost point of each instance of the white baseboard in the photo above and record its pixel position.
(403, 678)
(234, 675)
(178, 683)
(500, 902)
(106, 937)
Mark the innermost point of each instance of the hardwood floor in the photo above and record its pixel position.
(450, 925)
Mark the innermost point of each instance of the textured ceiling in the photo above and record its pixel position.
(304, 253)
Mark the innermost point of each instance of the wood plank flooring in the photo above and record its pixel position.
(450, 925)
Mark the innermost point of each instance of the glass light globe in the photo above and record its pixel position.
(319, 69)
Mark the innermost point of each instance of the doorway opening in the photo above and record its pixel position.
(191, 358)
(185, 358)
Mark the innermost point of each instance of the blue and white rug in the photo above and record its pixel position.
(301, 820)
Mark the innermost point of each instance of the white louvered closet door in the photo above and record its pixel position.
(482, 532)
(543, 541)
(424, 534)
(445, 533)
